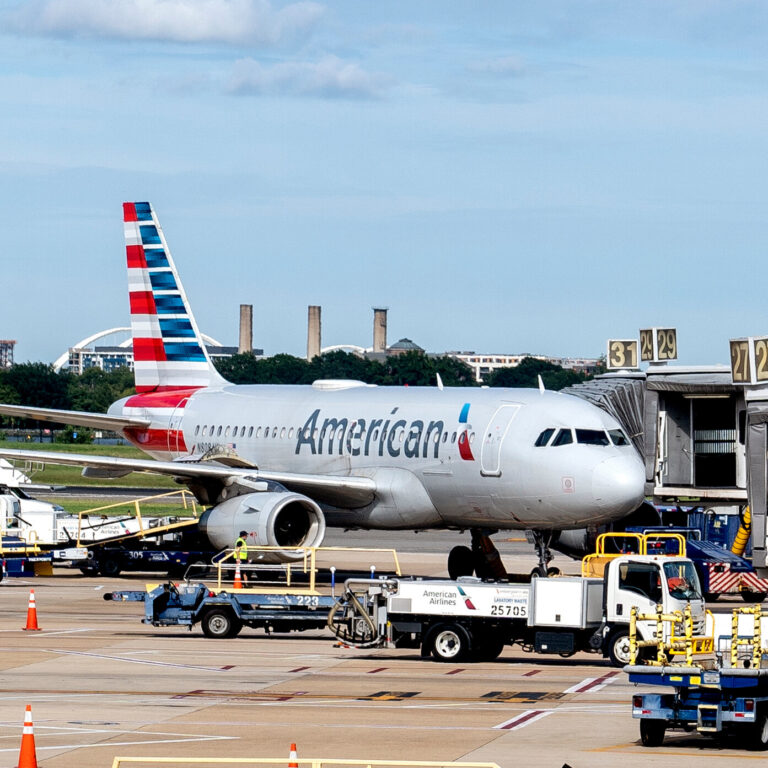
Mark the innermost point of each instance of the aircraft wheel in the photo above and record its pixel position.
(450, 642)
(618, 650)
(489, 647)
(753, 597)
(220, 623)
(461, 562)
(652, 732)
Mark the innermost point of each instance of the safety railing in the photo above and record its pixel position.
(274, 575)
(754, 641)
(144, 529)
(612, 545)
(666, 641)
(313, 762)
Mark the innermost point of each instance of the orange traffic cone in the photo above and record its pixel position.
(31, 614)
(27, 754)
(293, 760)
(238, 580)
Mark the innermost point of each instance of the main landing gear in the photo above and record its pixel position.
(482, 559)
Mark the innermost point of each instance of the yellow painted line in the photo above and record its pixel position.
(700, 753)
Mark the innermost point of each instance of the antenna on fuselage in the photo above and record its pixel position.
(439, 382)
(542, 388)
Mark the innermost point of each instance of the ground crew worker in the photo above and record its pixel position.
(241, 555)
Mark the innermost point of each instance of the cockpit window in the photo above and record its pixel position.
(591, 437)
(543, 438)
(564, 437)
(618, 437)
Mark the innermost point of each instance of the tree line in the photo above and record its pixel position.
(38, 384)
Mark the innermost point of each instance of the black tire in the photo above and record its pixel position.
(220, 623)
(488, 647)
(110, 567)
(753, 597)
(449, 643)
(652, 732)
(710, 597)
(461, 562)
(758, 732)
(618, 649)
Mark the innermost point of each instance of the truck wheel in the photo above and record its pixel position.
(618, 648)
(450, 642)
(220, 623)
(710, 597)
(652, 732)
(758, 736)
(110, 567)
(753, 597)
(461, 562)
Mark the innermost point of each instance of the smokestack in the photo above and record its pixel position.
(313, 331)
(246, 329)
(379, 329)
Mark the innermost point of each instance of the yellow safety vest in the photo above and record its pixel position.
(243, 553)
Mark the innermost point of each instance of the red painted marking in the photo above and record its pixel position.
(135, 257)
(148, 350)
(597, 681)
(374, 671)
(522, 719)
(532, 673)
(129, 212)
(298, 669)
(159, 439)
(142, 303)
(229, 666)
(464, 450)
(172, 398)
(455, 671)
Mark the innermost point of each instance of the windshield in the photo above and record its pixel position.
(682, 581)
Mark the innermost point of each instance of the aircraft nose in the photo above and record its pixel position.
(618, 484)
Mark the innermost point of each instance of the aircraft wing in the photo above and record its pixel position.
(339, 490)
(76, 418)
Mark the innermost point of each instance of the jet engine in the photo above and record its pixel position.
(271, 519)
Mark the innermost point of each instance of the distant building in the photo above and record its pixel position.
(483, 365)
(6, 353)
(403, 346)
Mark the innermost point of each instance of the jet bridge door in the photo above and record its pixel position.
(495, 432)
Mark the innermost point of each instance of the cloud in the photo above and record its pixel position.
(330, 77)
(183, 21)
(505, 66)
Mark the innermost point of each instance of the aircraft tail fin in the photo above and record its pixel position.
(168, 348)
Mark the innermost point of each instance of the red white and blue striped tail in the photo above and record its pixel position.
(168, 348)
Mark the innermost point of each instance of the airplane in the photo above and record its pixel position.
(283, 461)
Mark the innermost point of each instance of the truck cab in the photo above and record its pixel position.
(645, 581)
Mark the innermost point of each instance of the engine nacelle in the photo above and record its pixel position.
(271, 519)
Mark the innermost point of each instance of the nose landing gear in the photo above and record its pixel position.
(541, 541)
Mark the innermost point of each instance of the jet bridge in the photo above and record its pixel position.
(703, 438)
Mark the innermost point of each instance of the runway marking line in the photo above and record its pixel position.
(526, 718)
(131, 661)
(374, 671)
(592, 684)
(634, 749)
(298, 669)
(455, 671)
(531, 673)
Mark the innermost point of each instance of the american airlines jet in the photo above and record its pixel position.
(282, 462)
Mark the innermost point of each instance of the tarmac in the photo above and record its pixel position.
(102, 684)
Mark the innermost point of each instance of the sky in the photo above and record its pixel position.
(504, 176)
